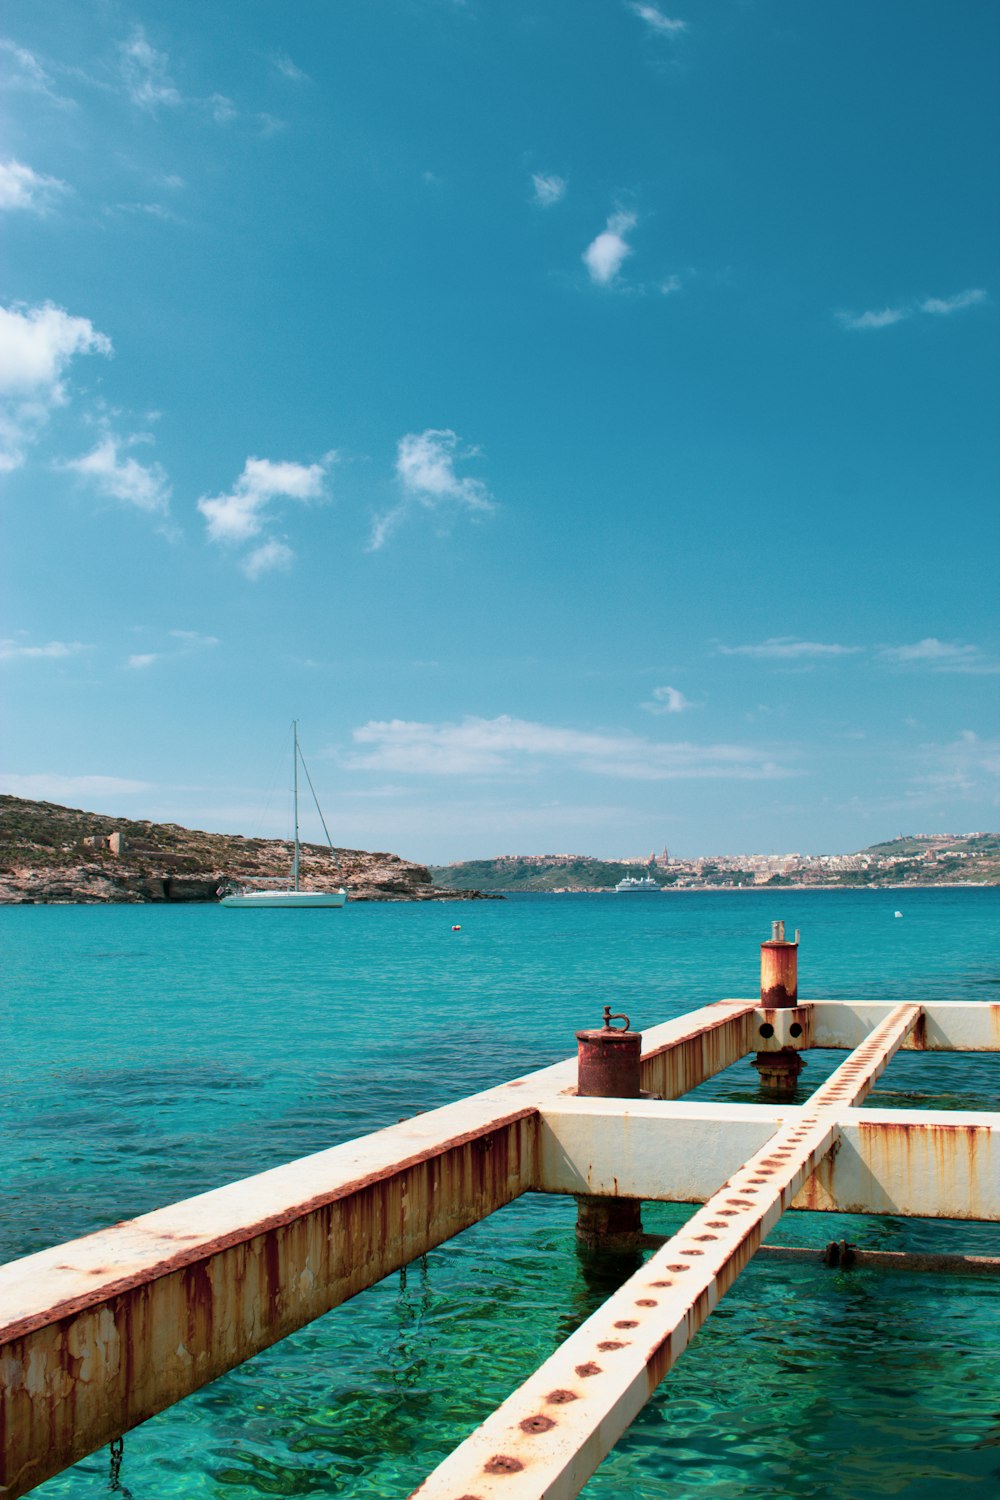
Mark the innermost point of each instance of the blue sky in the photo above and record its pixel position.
(581, 415)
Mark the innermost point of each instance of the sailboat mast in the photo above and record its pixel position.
(295, 785)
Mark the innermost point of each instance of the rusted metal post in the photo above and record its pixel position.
(608, 1067)
(779, 970)
(779, 990)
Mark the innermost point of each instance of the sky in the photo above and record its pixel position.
(580, 415)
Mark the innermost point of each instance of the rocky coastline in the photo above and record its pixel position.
(62, 855)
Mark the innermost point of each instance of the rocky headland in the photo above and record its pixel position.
(50, 853)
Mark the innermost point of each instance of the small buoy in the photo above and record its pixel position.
(897, 913)
(457, 928)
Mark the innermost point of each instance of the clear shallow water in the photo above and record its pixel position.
(151, 1053)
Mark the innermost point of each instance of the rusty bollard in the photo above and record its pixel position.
(779, 990)
(608, 1068)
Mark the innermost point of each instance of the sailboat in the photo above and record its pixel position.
(295, 896)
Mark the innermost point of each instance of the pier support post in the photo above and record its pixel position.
(779, 990)
(608, 1067)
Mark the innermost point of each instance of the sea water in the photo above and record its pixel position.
(150, 1053)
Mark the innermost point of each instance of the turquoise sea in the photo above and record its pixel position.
(150, 1053)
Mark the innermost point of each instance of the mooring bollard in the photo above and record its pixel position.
(608, 1067)
(779, 970)
(779, 990)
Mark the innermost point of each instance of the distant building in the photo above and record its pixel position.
(113, 842)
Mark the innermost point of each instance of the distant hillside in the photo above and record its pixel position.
(53, 853)
(556, 873)
(921, 859)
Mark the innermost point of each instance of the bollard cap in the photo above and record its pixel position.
(609, 1032)
(611, 1038)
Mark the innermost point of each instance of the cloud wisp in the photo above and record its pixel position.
(69, 790)
(548, 189)
(943, 306)
(789, 648)
(36, 347)
(26, 72)
(146, 73)
(941, 656)
(427, 478)
(24, 189)
(238, 518)
(658, 23)
(667, 700)
(967, 765)
(118, 476)
(933, 306)
(607, 253)
(506, 747)
(183, 643)
(17, 649)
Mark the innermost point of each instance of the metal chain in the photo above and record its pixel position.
(114, 1478)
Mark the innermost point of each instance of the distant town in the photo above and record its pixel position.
(918, 859)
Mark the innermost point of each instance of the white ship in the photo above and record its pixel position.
(633, 883)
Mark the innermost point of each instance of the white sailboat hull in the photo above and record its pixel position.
(285, 898)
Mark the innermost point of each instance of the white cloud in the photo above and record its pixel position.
(36, 346)
(605, 255)
(505, 746)
(788, 648)
(37, 343)
(548, 188)
(668, 700)
(146, 73)
(882, 318)
(942, 306)
(941, 656)
(655, 19)
(46, 787)
(16, 650)
(425, 466)
(967, 765)
(184, 643)
(935, 306)
(194, 640)
(25, 71)
(425, 470)
(670, 284)
(288, 69)
(236, 518)
(269, 557)
(21, 187)
(124, 478)
(224, 111)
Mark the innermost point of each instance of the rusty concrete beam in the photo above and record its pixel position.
(547, 1439)
(679, 1055)
(99, 1334)
(917, 1163)
(929, 1165)
(948, 1025)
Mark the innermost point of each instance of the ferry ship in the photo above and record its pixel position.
(632, 883)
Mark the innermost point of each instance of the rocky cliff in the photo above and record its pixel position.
(51, 853)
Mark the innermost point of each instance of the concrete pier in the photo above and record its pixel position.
(98, 1334)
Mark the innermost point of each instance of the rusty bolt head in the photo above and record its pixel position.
(560, 1398)
(537, 1423)
(588, 1369)
(502, 1463)
(612, 1344)
(626, 1323)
